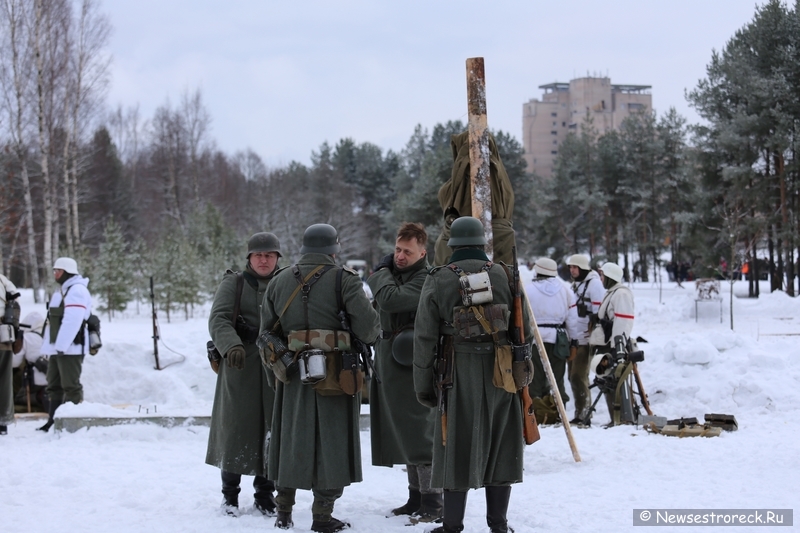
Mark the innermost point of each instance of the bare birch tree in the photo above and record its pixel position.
(15, 79)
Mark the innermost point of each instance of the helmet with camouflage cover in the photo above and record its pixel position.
(466, 231)
(263, 242)
(579, 260)
(320, 239)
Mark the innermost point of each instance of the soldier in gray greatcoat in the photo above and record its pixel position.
(242, 411)
(315, 441)
(484, 441)
(401, 428)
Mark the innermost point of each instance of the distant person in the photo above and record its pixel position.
(589, 292)
(615, 317)
(241, 417)
(8, 293)
(401, 429)
(32, 364)
(66, 337)
(553, 305)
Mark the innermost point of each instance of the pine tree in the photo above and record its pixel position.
(111, 283)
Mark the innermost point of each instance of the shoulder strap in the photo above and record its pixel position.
(297, 290)
(238, 302)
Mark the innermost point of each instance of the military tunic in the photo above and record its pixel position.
(484, 423)
(242, 412)
(401, 428)
(315, 439)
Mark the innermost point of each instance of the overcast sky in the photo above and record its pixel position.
(283, 77)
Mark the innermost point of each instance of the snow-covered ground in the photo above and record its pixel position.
(139, 477)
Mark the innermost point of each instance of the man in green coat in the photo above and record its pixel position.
(482, 445)
(242, 413)
(315, 441)
(400, 427)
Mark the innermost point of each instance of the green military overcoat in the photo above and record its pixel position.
(242, 412)
(401, 428)
(484, 423)
(315, 439)
(455, 197)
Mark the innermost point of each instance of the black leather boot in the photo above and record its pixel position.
(284, 520)
(430, 509)
(52, 412)
(455, 504)
(264, 496)
(496, 509)
(330, 526)
(230, 492)
(411, 506)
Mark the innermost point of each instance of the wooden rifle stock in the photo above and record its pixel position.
(530, 428)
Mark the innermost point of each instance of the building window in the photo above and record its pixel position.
(635, 107)
(554, 132)
(554, 152)
(555, 141)
(555, 123)
(553, 114)
(563, 124)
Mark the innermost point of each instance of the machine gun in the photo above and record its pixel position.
(613, 374)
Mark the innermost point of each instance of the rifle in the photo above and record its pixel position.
(444, 381)
(530, 428)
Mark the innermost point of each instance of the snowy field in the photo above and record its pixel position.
(135, 478)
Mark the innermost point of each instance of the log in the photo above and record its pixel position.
(479, 148)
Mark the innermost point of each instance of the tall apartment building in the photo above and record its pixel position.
(546, 123)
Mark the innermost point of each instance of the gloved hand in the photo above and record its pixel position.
(386, 262)
(573, 353)
(235, 357)
(428, 399)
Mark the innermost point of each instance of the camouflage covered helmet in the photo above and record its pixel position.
(263, 242)
(320, 239)
(466, 231)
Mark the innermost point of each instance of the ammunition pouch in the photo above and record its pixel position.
(583, 309)
(276, 356)
(607, 325)
(343, 374)
(245, 331)
(480, 320)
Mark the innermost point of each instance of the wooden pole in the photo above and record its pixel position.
(479, 148)
(553, 387)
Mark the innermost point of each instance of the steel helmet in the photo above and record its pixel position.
(597, 359)
(263, 242)
(67, 264)
(613, 271)
(579, 260)
(403, 347)
(320, 239)
(467, 231)
(544, 266)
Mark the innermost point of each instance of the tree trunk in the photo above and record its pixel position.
(44, 147)
(479, 148)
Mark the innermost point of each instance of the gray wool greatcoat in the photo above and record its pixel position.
(315, 439)
(484, 423)
(242, 412)
(401, 428)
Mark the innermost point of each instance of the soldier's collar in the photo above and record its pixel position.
(468, 253)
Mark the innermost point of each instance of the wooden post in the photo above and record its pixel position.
(479, 148)
(553, 387)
